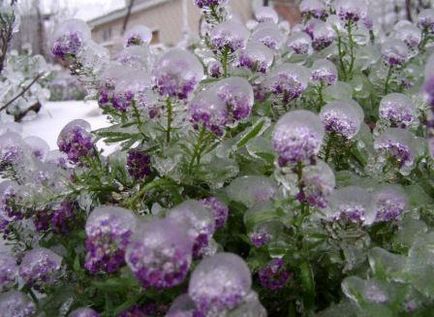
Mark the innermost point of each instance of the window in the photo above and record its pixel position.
(107, 34)
(155, 37)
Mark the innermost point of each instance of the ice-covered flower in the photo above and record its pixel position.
(274, 275)
(252, 190)
(256, 57)
(9, 209)
(324, 72)
(128, 88)
(177, 74)
(76, 140)
(409, 34)
(198, 222)
(108, 233)
(298, 137)
(429, 91)
(16, 304)
(343, 118)
(398, 110)
(323, 35)
(395, 53)
(40, 267)
(229, 35)
(137, 57)
(207, 4)
(351, 10)
(38, 147)
(266, 14)
(138, 163)
(160, 254)
(300, 43)
(318, 182)
(61, 217)
(83, 312)
(12, 150)
(215, 69)
(390, 202)
(268, 34)
(219, 210)
(288, 80)
(352, 204)
(313, 8)
(137, 36)
(220, 283)
(69, 39)
(183, 306)
(425, 20)
(8, 271)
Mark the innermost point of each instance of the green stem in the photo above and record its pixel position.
(197, 152)
(341, 58)
(328, 149)
(388, 78)
(225, 59)
(351, 43)
(169, 119)
(320, 96)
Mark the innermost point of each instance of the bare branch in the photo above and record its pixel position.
(127, 17)
(23, 91)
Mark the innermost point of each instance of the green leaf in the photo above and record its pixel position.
(257, 129)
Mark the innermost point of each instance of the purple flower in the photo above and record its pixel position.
(84, 312)
(209, 3)
(219, 283)
(429, 91)
(395, 53)
(219, 209)
(274, 275)
(122, 101)
(60, 218)
(288, 81)
(138, 164)
(313, 8)
(425, 20)
(12, 150)
(69, 39)
(183, 306)
(351, 10)
(300, 43)
(40, 267)
(9, 209)
(266, 14)
(256, 57)
(268, 34)
(260, 237)
(177, 74)
(137, 36)
(8, 271)
(398, 110)
(298, 137)
(324, 72)
(147, 310)
(323, 35)
(390, 201)
(409, 34)
(160, 254)
(16, 304)
(229, 35)
(76, 141)
(215, 69)
(108, 232)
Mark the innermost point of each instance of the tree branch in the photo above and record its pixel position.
(23, 91)
(127, 17)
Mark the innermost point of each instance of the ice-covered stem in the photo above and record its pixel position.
(341, 53)
(7, 20)
(169, 109)
(351, 44)
(199, 147)
(225, 60)
(388, 79)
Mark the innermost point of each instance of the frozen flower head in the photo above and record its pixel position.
(38, 147)
(12, 150)
(252, 190)
(324, 72)
(69, 39)
(138, 163)
(76, 140)
(398, 110)
(256, 57)
(343, 118)
(229, 36)
(108, 233)
(313, 8)
(266, 14)
(318, 183)
(410, 35)
(138, 35)
(219, 210)
(425, 20)
(398, 145)
(40, 267)
(268, 34)
(220, 283)
(16, 304)
(83, 312)
(183, 306)
(351, 10)
(160, 254)
(390, 202)
(353, 204)
(274, 275)
(208, 4)
(263, 233)
(288, 81)
(8, 271)
(109, 78)
(137, 57)
(128, 88)
(215, 69)
(323, 35)
(298, 137)
(9, 212)
(177, 74)
(300, 43)
(395, 53)
(198, 222)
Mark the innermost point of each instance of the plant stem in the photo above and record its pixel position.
(225, 58)
(351, 43)
(341, 58)
(197, 152)
(388, 78)
(23, 91)
(169, 119)
(328, 149)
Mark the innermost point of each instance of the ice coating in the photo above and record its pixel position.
(40, 267)
(410, 35)
(398, 110)
(197, 220)
(207, 4)
(256, 56)
(324, 72)
(252, 190)
(323, 35)
(274, 275)
(266, 14)
(12, 150)
(425, 20)
(395, 53)
(160, 254)
(83, 312)
(16, 304)
(300, 43)
(69, 39)
(390, 201)
(220, 283)
(183, 306)
(38, 147)
(108, 233)
(268, 34)
(177, 74)
(76, 140)
(135, 56)
(219, 210)
(298, 137)
(351, 10)
(251, 307)
(128, 88)
(230, 35)
(138, 35)
(313, 8)
(8, 271)
(343, 118)
(352, 203)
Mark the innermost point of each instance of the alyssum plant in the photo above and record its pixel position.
(267, 171)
